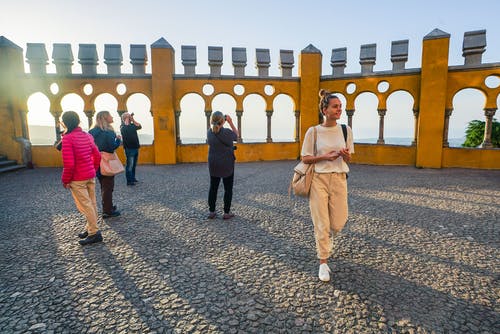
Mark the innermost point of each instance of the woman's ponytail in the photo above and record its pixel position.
(217, 120)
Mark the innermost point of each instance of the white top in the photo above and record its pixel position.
(328, 139)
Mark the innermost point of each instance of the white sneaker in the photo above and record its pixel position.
(324, 272)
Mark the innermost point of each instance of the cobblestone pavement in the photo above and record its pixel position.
(420, 254)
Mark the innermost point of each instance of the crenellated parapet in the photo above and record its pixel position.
(367, 57)
(87, 55)
(239, 61)
(113, 58)
(138, 58)
(63, 58)
(474, 46)
(36, 57)
(399, 55)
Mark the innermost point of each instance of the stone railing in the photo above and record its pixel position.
(432, 87)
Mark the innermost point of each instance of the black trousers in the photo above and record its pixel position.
(107, 187)
(228, 192)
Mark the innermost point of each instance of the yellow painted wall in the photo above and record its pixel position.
(244, 153)
(373, 154)
(48, 156)
(11, 63)
(471, 158)
(432, 88)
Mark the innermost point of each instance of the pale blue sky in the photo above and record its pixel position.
(252, 24)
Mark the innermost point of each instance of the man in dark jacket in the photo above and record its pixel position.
(131, 145)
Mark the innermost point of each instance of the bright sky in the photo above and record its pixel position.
(254, 24)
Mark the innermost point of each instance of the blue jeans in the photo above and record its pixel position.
(132, 155)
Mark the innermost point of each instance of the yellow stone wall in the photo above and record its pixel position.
(432, 88)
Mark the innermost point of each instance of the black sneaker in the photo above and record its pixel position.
(115, 213)
(130, 183)
(91, 239)
(83, 235)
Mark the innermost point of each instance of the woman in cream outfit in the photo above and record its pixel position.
(328, 195)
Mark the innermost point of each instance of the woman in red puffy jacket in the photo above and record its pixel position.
(81, 159)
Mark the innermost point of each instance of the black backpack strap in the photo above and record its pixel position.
(344, 131)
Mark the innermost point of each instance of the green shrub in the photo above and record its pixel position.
(474, 134)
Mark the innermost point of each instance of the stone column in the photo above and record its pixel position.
(415, 127)
(122, 106)
(269, 113)
(239, 113)
(177, 132)
(447, 114)
(381, 114)
(297, 125)
(89, 113)
(350, 113)
(489, 113)
(208, 113)
(57, 114)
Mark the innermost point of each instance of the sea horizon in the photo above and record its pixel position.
(45, 135)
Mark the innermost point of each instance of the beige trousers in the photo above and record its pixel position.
(84, 195)
(328, 204)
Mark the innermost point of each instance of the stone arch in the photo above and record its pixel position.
(283, 119)
(365, 119)
(399, 120)
(468, 104)
(41, 126)
(254, 119)
(108, 102)
(192, 119)
(140, 105)
(224, 103)
(74, 102)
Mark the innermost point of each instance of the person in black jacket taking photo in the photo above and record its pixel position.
(221, 161)
(131, 145)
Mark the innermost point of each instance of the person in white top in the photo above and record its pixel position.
(328, 194)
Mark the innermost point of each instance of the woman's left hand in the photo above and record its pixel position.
(345, 154)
